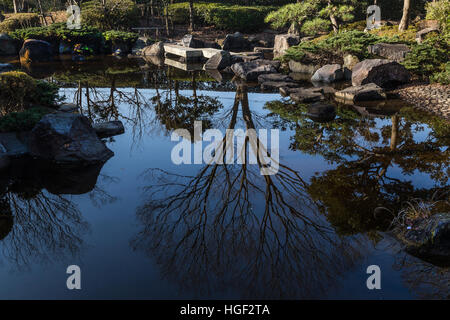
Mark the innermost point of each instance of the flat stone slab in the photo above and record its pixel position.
(188, 53)
(271, 85)
(274, 77)
(183, 66)
(302, 95)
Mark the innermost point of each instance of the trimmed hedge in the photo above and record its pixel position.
(222, 16)
(19, 21)
(116, 15)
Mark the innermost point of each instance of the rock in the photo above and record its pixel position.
(237, 42)
(211, 44)
(67, 138)
(420, 36)
(14, 144)
(192, 42)
(4, 67)
(36, 51)
(284, 42)
(350, 61)
(68, 107)
(329, 73)
(299, 67)
(430, 237)
(263, 50)
(425, 24)
(250, 71)
(109, 129)
(302, 95)
(4, 158)
(219, 61)
(275, 85)
(319, 112)
(274, 77)
(8, 46)
(396, 52)
(156, 49)
(382, 72)
(365, 92)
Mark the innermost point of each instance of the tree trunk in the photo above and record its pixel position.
(191, 15)
(404, 23)
(333, 20)
(15, 6)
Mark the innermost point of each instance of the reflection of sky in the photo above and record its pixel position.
(110, 269)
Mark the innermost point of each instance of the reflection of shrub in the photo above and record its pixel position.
(222, 16)
(19, 21)
(18, 90)
(116, 14)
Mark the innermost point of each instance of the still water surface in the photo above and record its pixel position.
(142, 227)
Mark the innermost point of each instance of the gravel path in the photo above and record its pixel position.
(431, 97)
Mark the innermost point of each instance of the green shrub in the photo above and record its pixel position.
(442, 77)
(222, 16)
(333, 47)
(440, 10)
(22, 121)
(115, 15)
(19, 21)
(18, 91)
(113, 37)
(428, 57)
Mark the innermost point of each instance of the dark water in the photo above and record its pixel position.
(142, 227)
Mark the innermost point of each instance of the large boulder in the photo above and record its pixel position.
(191, 42)
(396, 52)
(219, 61)
(250, 71)
(329, 73)
(156, 49)
(350, 61)
(36, 51)
(382, 72)
(8, 46)
(284, 42)
(67, 138)
(430, 237)
(236, 42)
(365, 92)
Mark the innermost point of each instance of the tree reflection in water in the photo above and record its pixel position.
(230, 228)
(43, 226)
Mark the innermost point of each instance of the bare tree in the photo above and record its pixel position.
(404, 23)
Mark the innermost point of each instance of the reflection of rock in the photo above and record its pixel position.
(319, 112)
(68, 180)
(109, 129)
(36, 51)
(6, 218)
(156, 49)
(67, 138)
(68, 107)
(430, 238)
(38, 70)
(384, 73)
(303, 95)
(157, 61)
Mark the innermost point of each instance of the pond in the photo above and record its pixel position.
(142, 227)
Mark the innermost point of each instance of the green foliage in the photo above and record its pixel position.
(312, 13)
(392, 32)
(428, 57)
(442, 77)
(18, 90)
(114, 36)
(222, 16)
(22, 121)
(440, 10)
(115, 15)
(333, 47)
(20, 20)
